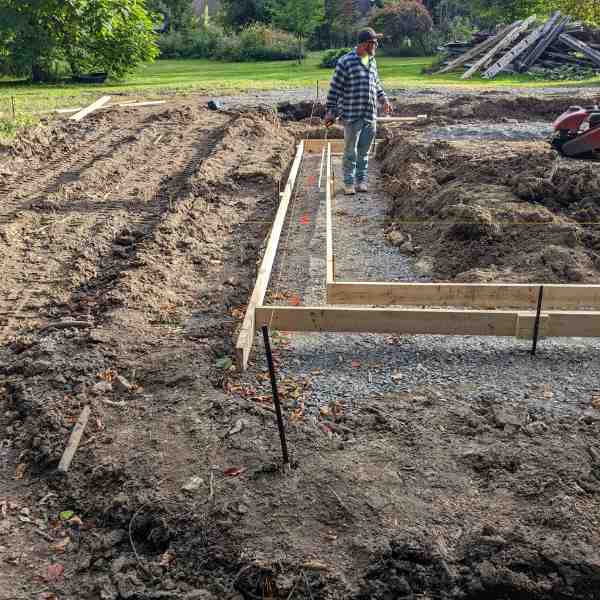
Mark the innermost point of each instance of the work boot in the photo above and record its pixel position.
(362, 187)
(349, 189)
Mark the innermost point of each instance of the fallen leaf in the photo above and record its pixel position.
(317, 565)
(167, 559)
(61, 545)
(55, 572)
(224, 363)
(20, 471)
(75, 521)
(233, 471)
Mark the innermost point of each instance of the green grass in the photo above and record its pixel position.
(210, 77)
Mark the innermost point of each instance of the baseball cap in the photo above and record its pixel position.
(368, 34)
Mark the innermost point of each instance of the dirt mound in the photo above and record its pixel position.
(490, 564)
(513, 212)
(490, 107)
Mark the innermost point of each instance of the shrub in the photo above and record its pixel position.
(196, 43)
(258, 42)
(405, 25)
(331, 57)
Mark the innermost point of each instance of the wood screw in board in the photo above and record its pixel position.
(69, 453)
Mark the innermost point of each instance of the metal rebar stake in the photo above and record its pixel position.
(536, 327)
(276, 402)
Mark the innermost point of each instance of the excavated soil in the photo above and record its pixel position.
(494, 211)
(129, 246)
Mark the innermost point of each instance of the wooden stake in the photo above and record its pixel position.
(74, 440)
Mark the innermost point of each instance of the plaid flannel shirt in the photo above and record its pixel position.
(355, 89)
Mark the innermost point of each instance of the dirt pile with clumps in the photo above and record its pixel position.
(502, 211)
(492, 107)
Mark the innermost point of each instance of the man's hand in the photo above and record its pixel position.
(387, 108)
(329, 119)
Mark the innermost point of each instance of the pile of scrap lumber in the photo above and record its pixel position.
(527, 46)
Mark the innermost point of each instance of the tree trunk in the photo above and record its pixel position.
(38, 74)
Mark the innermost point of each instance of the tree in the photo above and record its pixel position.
(239, 13)
(36, 36)
(406, 20)
(300, 17)
(178, 14)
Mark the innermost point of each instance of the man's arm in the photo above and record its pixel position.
(336, 90)
(382, 98)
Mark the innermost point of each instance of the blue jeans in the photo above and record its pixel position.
(359, 136)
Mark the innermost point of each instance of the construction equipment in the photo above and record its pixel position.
(578, 133)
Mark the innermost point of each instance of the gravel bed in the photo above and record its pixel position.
(359, 245)
(352, 368)
(271, 98)
(513, 131)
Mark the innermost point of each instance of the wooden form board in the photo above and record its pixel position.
(472, 295)
(427, 321)
(91, 108)
(329, 219)
(246, 336)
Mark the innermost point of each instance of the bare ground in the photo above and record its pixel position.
(129, 247)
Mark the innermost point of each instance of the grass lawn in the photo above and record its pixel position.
(185, 76)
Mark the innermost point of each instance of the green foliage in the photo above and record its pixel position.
(407, 27)
(331, 57)
(258, 42)
(114, 36)
(300, 17)
(179, 14)
(237, 14)
(202, 42)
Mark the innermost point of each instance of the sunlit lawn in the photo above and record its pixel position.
(212, 77)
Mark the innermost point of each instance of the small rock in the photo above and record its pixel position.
(396, 238)
(121, 500)
(199, 595)
(129, 585)
(193, 484)
(101, 388)
(121, 563)
(121, 385)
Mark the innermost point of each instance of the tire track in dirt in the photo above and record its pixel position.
(92, 210)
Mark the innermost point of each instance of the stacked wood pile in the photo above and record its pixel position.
(527, 46)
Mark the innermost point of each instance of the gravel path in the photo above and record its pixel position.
(353, 368)
(261, 99)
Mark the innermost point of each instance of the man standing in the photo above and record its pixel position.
(354, 93)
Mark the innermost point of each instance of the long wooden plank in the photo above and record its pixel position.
(388, 320)
(427, 322)
(246, 336)
(316, 146)
(472, 295)
(91, 108)
(329, 219)
(532, 57)
(408, 120)
(580, 46)
(523, 45)
(476, 51)
(518, 28)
